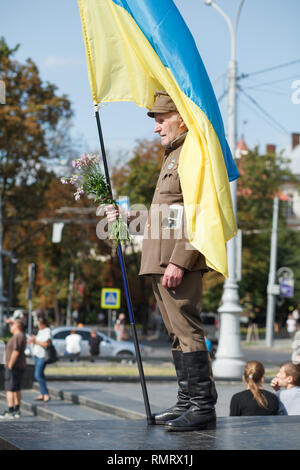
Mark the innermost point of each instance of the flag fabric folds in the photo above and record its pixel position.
(136, 47)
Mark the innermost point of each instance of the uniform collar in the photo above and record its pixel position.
(176, 143)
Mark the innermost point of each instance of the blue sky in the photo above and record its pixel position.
(49, 32)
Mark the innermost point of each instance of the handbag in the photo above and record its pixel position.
(50, 354)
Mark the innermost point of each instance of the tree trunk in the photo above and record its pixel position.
(56, 310)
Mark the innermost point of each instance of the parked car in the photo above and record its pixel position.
(109, 347)
(211, 325)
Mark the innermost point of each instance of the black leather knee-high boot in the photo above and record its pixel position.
(183, 399)
(203, 395)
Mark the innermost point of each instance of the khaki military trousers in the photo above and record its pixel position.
(180, 308)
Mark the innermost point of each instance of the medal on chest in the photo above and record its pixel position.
(171, 164)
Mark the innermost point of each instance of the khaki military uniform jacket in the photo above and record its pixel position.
(164, 235)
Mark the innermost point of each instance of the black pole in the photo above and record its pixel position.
(125, 282)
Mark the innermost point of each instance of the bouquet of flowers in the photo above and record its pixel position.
(91, 181)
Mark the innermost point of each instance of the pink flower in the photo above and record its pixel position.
(85, 160)
(78, 193)
(74, 179)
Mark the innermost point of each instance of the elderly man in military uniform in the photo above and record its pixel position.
(177, 269)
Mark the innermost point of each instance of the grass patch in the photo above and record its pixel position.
(129, 370)
(271, 372)
(110, 369)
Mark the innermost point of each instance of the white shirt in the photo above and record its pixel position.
(289, 401)
(73, 343)
(296, 314)
(291, 325)
(42, 336)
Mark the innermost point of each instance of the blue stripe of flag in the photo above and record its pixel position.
(165, 29)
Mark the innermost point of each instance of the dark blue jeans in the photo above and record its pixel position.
(39, 367)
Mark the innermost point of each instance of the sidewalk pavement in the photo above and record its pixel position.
(125, 400)
(111, 415)
(108, 431)
(122, 396)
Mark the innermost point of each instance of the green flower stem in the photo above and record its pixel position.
(119, 231)
(92, 181)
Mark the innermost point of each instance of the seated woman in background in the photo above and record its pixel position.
(255, 401)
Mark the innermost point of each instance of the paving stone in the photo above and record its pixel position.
(238, 433)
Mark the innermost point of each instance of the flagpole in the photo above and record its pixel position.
(150, 419)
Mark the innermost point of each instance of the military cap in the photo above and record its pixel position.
(162, 104)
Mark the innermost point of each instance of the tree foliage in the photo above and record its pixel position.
(137, 178)
(28, 121)
(261, 179)
(34, 128)
(33, 111)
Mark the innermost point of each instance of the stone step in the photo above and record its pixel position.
(58, 409)
(91, 396)
(26, 414)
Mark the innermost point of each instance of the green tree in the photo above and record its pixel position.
(30, 120)
(260, 181)
(137, 178)
(79, 249)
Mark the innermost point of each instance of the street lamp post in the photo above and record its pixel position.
(69, 306)
(229, 361)
(273, 288)
(2, 299)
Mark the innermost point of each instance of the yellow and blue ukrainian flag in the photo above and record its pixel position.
(137, 47)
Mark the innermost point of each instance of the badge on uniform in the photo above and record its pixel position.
(174, 219)
(170, 166)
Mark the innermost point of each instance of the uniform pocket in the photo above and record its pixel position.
(170, 183)
(166, 250)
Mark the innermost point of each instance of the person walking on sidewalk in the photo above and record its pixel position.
(291, 326)
(176, 269)
(255, 401)
(40, 342)
(73, 345)
(288, 378)
(94, 345)
(296, 344)
(252, 330)
(14, 368)
(120, 328)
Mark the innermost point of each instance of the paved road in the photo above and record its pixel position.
(81, 400)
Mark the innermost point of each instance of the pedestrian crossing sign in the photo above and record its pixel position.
(110, 298)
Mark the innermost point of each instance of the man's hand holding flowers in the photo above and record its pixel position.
(91, 181)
